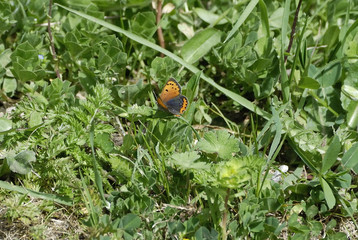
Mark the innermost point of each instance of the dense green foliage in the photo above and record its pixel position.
(82, 139)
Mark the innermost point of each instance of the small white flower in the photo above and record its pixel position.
(278, 173)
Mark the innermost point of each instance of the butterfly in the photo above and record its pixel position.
(171, 99)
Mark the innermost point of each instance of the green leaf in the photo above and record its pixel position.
(144, 24)
(7, 17)
(285, 84)
(103, 140)
(26, 75)
(5, 124)
(257, 226)
(104, 60)
(186, 29)
(35, 119)
(130, 222)
(331, 155)
(307, 82)
(10, 85)
(219, 142)
(343, 181)
(278, 131)
(192, 87)
(187, 160)
(97, 175)
(236, 97)
(176, 227)
(21, 163)
(264, 18)
(316, 228)
(25, 51)
(204, 234)
(271, 204)
(331, 35)
(139, 111)
(73, 44)
(350, 92)
(238, 171)
(352, 114)
(209, 17)
(350, 158)
(242, 18)
(275, 19)
(328, 194)
(26, 64)
(163, 68)
(312, 211)
(199, 45)
(5, 57)
(329, 75)
(50, 197)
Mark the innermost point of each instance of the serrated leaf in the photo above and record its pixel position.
(219, 142)
(187, 160)
(200, 44)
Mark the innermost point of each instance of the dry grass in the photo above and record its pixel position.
(59, 226)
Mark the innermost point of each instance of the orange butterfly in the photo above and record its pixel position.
(171, 99)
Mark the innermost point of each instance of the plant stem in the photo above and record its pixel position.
(159, 31)
(224, 219)
(51, 40)
(293, 30)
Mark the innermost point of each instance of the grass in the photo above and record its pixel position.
(268, 139)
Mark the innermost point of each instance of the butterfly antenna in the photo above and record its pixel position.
(155, 95)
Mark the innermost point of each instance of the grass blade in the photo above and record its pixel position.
(236, 97)
(242, 18)
(284, 78)
(200, 44)
(46, 196)
(264, 18)
(97, 175)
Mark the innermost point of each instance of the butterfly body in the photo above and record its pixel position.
(171, 99)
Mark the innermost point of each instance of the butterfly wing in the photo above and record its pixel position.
(171, 90)
(177, 105)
